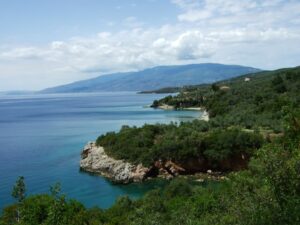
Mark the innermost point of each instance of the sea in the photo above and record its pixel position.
(42, 135)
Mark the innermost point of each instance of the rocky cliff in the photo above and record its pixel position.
(95, 160)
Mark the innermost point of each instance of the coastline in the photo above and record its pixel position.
(204, 116)
(89, 115)
(166, 107)
(95, 160)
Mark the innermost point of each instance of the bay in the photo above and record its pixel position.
(41, 137)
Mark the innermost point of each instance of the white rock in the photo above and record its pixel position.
(95, 160)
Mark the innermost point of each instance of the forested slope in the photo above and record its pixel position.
(266, 192)
(241, 110)
(252, 101)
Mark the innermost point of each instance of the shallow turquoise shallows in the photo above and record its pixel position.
(41, 137)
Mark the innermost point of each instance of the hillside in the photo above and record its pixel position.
(266, 191)
(154, 78)
(243, 111)
(252, 101)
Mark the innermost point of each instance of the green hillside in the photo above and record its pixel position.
(266, 191)
(258, 103)
(241, 113)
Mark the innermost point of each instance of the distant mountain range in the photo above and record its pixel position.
(155, 78)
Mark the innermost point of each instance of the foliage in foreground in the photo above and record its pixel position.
(267, 193)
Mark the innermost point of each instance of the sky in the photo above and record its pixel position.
(52, 42)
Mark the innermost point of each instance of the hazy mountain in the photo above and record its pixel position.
(154, 78)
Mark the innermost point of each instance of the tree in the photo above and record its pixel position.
(278, 84)
(18, 193)
(19, 189)
(277, 80)
(215, 87)
(155, 104)
(57, 208)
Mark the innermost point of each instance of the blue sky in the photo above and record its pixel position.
(52, 42)
(36, 21)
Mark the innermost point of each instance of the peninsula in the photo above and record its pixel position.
(240, 122)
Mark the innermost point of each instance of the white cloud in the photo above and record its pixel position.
(126, 50)
(254, 33)
(239, 13)
(193, 45)
(23, 53)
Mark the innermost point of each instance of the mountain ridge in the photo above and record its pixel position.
(155, 77)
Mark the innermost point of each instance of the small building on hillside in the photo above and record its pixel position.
(247, 79)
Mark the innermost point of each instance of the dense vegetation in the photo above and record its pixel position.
(162, 90)
(257, 103)
(267, 192)
(179, 143)
(241, 111)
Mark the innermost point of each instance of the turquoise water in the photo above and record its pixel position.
(41, 137)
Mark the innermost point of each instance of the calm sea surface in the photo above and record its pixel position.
(41, 137)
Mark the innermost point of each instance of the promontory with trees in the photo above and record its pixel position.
(253, 135)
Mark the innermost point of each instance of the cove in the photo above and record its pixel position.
(41, 137)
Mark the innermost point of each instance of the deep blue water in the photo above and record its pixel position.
(41, 137)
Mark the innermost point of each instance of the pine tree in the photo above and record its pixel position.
(19, 193)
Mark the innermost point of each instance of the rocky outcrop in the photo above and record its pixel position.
(95, 160)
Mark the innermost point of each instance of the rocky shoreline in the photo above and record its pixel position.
(96, 161)
(204, 116)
